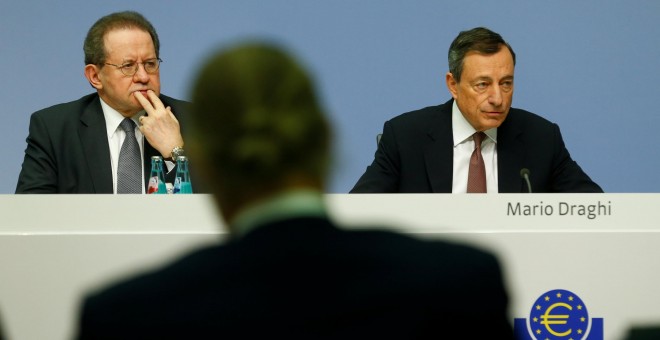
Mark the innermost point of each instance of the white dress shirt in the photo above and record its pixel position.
(116, 137)
(463, 148)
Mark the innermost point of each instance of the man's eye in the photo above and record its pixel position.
(150, 64)
(480, 86)
(129, 66)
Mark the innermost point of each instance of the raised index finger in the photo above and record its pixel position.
(146, 104)
(156, 102)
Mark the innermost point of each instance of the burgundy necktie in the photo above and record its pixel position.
(477, 171)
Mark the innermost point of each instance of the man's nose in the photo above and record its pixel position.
(495, 95)
(141, 74)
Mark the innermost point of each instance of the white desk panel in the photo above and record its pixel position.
(54, 248)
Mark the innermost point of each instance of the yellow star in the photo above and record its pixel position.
(536, 319)
(538, 331)
(547, 298)
(582, 319)
(579, 307)
(579, 331)
(570, 298)
(538, 307)
(559, 295)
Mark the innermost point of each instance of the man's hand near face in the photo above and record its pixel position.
(159, 126)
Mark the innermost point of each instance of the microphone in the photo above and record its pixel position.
(524, 174)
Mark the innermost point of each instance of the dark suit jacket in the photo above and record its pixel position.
(68, 152)
(304, 278)
(415, 155)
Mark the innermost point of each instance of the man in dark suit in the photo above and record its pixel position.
(75, 147)
(287, 270)
(430, 150)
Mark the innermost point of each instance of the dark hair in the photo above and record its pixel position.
(256, 119)
(94, 46)
(479, 39)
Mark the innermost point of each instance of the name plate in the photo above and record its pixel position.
(424, 213)
(503, 212)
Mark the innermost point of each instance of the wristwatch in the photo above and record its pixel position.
(176, 152)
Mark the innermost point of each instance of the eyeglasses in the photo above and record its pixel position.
(130, 68)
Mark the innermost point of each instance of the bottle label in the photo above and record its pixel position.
(181, 187)
(153, 185)
(177, 185)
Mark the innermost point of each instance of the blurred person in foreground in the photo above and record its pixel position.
(287, 270)
(643, 332)
(2, 332)
(79, 147)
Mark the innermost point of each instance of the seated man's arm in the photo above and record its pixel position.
(382, 176)
(38, 173)
(567, 175)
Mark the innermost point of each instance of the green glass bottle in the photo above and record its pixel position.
(182, 183)
(156, 177)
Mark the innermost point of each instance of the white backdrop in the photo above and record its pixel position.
(590, 66)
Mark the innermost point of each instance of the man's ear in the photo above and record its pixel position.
(451, 84)
(92, 73)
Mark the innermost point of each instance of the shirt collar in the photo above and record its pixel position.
(463, 130)
(113, 118)
(295, 203)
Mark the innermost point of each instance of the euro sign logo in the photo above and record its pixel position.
(548, 319)
(559, 315)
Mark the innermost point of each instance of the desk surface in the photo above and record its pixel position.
(54, 248)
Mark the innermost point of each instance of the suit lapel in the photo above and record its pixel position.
(439, 151)
(94, 141)
(510, 155)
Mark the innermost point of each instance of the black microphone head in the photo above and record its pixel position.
(524, 172)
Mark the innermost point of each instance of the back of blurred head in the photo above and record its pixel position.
(256, 127)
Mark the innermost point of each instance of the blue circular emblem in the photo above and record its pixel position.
(559, 315)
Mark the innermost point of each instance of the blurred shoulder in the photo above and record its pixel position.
(432, 251)
(169, 278)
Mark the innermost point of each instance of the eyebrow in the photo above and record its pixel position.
(131, 60)
(490, 79)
